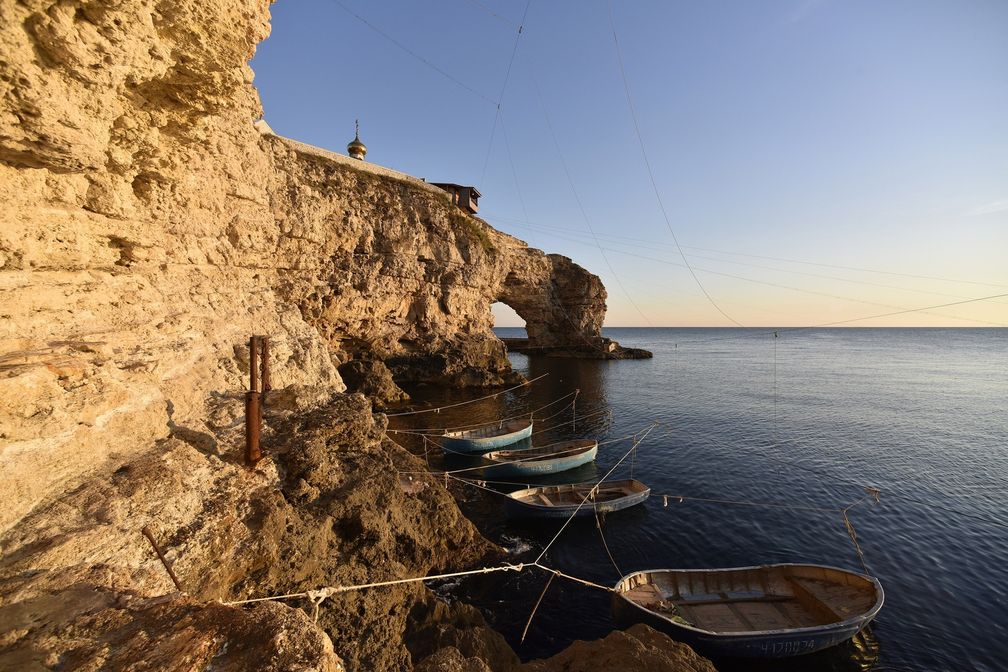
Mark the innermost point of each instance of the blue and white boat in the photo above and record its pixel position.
(487, 437)
(542, 460)
(562, 501)
(772, 611)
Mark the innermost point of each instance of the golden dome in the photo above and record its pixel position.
(356, 148)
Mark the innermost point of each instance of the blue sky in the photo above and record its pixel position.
(819, 160)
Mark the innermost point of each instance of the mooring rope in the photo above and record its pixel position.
(318, 596)
(536, 607)
(437, 431)
(871, 493)
(463, 403)
(598, 524)
(585, 499)
(329, 591)
(452, 472)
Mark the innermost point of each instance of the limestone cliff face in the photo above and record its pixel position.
(147, 229)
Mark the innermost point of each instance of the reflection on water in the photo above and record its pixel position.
(918, 413)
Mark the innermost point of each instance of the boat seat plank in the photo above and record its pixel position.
(546, 500)
(798, 616)
(843, 600)
(727, 599)
(763, 615)
(805, 592)
(738, 612)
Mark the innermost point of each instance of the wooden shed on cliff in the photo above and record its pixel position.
(464, 197)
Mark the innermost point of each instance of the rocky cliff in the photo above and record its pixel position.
(147, 230)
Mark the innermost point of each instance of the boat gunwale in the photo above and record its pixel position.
(467, 434)
(590, 444)
(525, 491)
(863, 618)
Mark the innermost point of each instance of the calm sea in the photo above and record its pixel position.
(808, 419)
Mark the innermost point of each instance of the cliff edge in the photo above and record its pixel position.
(147, 229)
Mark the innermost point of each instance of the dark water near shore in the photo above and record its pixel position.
(921, 414)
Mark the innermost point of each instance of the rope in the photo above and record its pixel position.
(598, 524)
(463, 403)
(437, 431)
(585, 499)
(872, 493)
(484, 466)
(500, 98)
(775, 389)
(536, 607)
(771, 505)
(584, 582)
(328, 591)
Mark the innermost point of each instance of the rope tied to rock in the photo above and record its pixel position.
(463, 403)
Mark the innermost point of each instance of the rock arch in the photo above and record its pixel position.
(563, 305)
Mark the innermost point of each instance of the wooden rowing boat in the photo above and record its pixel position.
(487, 437)
(773, 611)
(542, 460)
(562, 500)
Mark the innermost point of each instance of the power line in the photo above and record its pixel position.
(900, 310)
(654, 184)
(758, 256)
(412, 53)
(477, 3)
(500, 98)
(751, 265)
(584, 214)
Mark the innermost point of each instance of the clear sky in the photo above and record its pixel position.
(818, 160)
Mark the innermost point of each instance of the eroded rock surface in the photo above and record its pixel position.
(326, 507)
(637, 649)
(374, 380)
(148, 228)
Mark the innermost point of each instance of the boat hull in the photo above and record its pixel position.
(542, 467)
(519, 509)
(782, 643)
(469, 445)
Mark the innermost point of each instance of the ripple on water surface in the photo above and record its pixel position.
(918, 413)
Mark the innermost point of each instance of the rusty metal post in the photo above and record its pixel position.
(150, 537)
(253, 365)
(253, 411)
(266, 387)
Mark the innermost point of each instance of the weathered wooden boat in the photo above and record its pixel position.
(562, 500)
(542, 460)
(773, 611)
(487, 437)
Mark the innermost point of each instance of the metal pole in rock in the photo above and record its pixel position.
(253, 410)
(266, 386)
(150, 537)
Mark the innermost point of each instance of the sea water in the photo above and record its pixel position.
(756, 433)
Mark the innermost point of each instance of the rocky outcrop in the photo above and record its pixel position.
(637, 649)
(374, 380)
(84, 627)
(326, 507)
(148, 228)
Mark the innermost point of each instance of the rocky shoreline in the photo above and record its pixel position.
(147, 230)
(82, 589)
